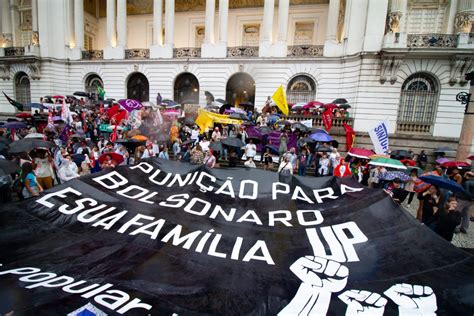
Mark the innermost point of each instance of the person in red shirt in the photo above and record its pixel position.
(342, 169)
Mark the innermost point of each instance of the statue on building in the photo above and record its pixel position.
(464, 22)
(394, 21)
(35, 38)
(7, 40)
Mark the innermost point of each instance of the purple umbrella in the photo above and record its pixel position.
(130, 104)
(14, 125)
(441, 160)
(321, 137)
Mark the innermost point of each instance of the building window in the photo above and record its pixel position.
(301, 89)
(138, 87)
(304, 33)
(22, 88)
(426, 18)
(418, 104)
(186, 89)
(92, 83)
(251, 35)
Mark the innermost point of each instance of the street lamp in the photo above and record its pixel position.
(466, 139)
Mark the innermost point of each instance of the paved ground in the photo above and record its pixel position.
(459, 239)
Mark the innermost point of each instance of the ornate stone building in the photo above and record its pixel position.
(401, 60)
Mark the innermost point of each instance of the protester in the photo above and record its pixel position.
(302, 162)
(250, 149)
(43, 169)
(210, 159)
(283, 144)
(197, 155)
(396, 192)
(31, 187)
(267, 159)
(249, 163)
(410, 185)
(324, 163)
(176, 148)
(342, 170)
(108, 162)
(448, 219)
(164, 153)
(430, 204)
(285, 166)
(68, 169)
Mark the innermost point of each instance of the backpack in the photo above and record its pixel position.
(284, 170)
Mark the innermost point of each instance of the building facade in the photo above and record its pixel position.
(400, 60)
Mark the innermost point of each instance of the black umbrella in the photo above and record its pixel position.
(322, 149)
(130, 142)
(308, 140)
(28, 144)
(78, 159)
(238, 116)
(340, 101)
(209, 96)
(217, 146)
(345, 106)
(221, 101)
(299, 126)
(246, 104)
(400, 153)
(81, 94)
(255, 140)
(8, 167)
(273, 149)
(225, 106)
(189, 121)
(443, 150)
(233, 142)
(265, 130)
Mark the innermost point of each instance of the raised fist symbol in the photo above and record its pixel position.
(413, 299)
(363, 302)
(321, 272)
(321, 277)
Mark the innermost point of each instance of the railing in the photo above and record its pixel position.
(305, 51)
(14, 51)
(187, 52)
(417, 128)
(137, 53)
(242, 51)
(318, 120)
(93, 54)
(432, 40)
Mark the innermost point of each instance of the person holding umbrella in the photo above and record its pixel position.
(396, 192)
(43, 169)
(108, 162)
(430, 205)
(410, 185)
(448, 219)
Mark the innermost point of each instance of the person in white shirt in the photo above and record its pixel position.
(285, 166)
(334, 158)
(148, 151)
(250, 149)
(124, 153)
(324, 165)
(44, 171)
(204, 144)
(216, 134)
(195, 134)
(250, 163)
(68, 170)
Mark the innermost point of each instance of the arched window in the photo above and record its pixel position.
(186, 89)
(240, 88)
(138, 87)
(93, 82)
(418, 104)
(301, 89)
(22, 88)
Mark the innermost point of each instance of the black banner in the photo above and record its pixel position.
(165, 238)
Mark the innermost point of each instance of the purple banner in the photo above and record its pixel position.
(130, 104)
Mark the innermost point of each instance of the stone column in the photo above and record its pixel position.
(34, 23)
(265, 49)
(396, 36)
(280, 48)
(157, 22)
(70, 38)
(209, 21)
(466, 139)
(332, 47)
(7, 39)
(79, 23)
(223, 17)
(356, 26)
(453, 7)
(111, 35)
(122, 23)
(14, 20)
(375, 25)
(114, 50)
(164, 50)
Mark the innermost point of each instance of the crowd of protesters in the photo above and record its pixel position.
(87, 144)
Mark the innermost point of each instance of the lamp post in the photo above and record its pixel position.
(466, 138)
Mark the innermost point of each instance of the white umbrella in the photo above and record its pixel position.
(35, 135)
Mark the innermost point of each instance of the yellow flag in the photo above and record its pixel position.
(280, 100)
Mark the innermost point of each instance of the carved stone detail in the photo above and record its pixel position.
(35, 70)
(463, 21)
(394, 18)
(242, 51)
(305, 51)
(137, 53)
(187, 52)
(5, 71)
(93, 54)
(432, 40)
(459, 66)
(389, 68)
(14, 51)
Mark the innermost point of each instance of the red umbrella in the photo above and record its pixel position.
(117, 158)
(23, 115)
(58, 97)
(408, 162)
(471, 157)
(455, 164)
(360, 153)
(314, 104)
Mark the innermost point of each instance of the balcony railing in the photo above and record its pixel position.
(432, 40)
(305, 51)
(242, 51)
(137, 53)
(187, 52)
(92, 54)
(14, 51)
(318, 120)
(414, 128)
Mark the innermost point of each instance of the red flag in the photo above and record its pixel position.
(113, 110)
(84, 124)
(113, 137)
(118, 117)
(327, 119)
(350, 136)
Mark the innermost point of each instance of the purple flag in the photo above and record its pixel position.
(130, 104)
